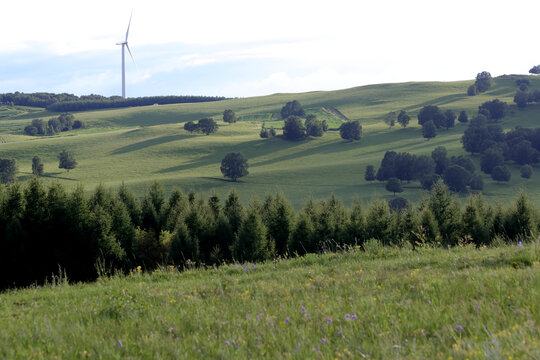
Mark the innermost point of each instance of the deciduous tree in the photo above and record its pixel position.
(350, 130)
(234, 166)
(67, 160)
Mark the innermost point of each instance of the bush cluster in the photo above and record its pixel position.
(64, 122)
(45, 229)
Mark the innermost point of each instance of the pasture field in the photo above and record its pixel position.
(381, 303)
(142, 144)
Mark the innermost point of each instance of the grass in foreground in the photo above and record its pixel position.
(380, 304)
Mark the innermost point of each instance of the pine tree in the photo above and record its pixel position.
(234, 211)
(303, 238)
(251, 243)
(379, 222)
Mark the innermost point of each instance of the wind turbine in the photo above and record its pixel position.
(125, 45)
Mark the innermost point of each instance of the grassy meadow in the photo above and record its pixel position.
(381, 303)
(143, 144)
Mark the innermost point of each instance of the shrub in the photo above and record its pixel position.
(526, 171)
(501, 173)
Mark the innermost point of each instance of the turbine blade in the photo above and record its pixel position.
(129, 24)
(130, 54)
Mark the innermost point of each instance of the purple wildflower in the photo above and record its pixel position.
(412, 287)
(323, 340)
(120, 344)
(520, 244)
(257, 317)
(287, 320)
(227, 342)
(353, 317)
(347, 317)
(429, 302)
(339, 332)
(252, 266)
(329, 320)
(459, 328)
(303, 309)
(297, 346)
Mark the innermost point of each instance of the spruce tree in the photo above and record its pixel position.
(251, 243)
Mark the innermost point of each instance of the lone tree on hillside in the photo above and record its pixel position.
(292, 108)
(229, 116)
(390, 119)
(403, 119)
(67, 160)
(483, 81)
(394, 185)
(37, 166)
(8, 169)
(535, 69)
(351, 130)
(234, 166)
(369, 175)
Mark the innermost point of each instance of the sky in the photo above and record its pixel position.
(241, 48)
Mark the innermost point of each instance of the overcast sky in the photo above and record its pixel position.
(242, 48)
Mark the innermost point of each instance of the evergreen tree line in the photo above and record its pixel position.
(70, 102)
(45, 229)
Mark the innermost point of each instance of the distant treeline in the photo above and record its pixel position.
(44, 230)
(69, 102)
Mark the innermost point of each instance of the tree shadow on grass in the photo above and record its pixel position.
(443, 100)
(148, 143)
(54, 176)
(221, 180)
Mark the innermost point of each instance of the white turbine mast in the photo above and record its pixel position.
(125, 45)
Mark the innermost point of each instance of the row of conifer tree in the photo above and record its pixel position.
(47, 229)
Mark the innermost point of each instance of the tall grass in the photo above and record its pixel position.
(385, 303)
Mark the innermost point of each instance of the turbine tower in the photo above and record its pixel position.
(125, 45)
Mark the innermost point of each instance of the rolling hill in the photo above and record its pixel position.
(140, 145)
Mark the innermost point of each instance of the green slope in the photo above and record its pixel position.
(142, 144)
(383, 304)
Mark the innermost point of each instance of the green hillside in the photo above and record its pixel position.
(141, 144)
(384, 303)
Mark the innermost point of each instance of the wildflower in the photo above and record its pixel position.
(287, 320)
(227, 342)
(339, 332)
(519, 244)
(297, 346)
(429, 302)
(303, 309)
(459, 328)
(252, 266)
(323, 340)
(120, 344)
(347, 317)
(329, 320)
(412, 287)
(353, 317)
